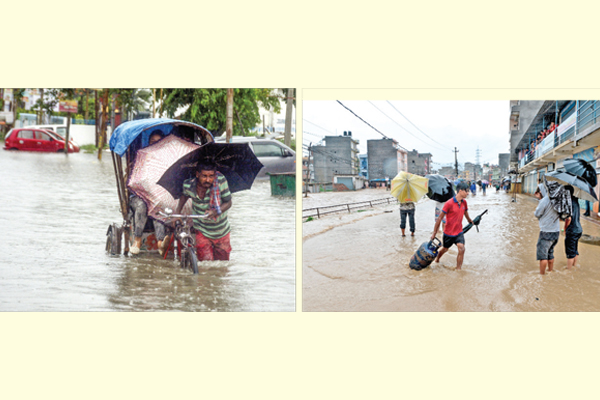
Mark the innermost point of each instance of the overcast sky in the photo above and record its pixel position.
(440, 126)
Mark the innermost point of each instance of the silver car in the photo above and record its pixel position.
(275, 156)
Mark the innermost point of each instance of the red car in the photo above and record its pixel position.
(29, 139)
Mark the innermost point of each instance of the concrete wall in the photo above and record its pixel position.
(338, 156)
(382, 158)
(344, 160)
(323, 174)
(419, 164)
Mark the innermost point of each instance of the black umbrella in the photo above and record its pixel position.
(583, 190)
(234, 160)
(582, 169)
(476, 222)
(440, 188)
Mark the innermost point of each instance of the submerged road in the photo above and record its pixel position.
(362, 264)
(55, 213)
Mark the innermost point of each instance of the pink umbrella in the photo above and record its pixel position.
(150, 165)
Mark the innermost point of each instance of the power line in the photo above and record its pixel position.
(407, 131)
(419, 129)
(312, 123)
(312, 134)
(376, 130)
(329, 154)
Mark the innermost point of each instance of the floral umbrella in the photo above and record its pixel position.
(150, 164)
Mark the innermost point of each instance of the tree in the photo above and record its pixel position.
(207, 107)
(17, 102)
(48, 100)
(284, 96)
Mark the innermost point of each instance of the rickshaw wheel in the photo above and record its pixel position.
(189, 260)
(113, 239)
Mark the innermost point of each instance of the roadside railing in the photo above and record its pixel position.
(586, 115)
(347, 207)
(79, 121)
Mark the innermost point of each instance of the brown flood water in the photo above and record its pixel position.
(363, 265)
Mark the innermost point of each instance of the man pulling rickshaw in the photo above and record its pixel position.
(160, 172)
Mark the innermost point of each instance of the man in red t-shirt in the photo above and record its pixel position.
(453, 211)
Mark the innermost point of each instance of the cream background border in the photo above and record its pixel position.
(506, 50)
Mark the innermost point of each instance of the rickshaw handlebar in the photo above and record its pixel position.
(182, 216)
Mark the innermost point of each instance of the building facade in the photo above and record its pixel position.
(473, 171)
(419, 163)
(364, 166)
(559, 130)
(385, 158)
(448, 172)
(338, 156)
(504, 162)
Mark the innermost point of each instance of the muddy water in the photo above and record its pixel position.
(363, 265)
(55, 211)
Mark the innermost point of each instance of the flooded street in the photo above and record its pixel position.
(55, 213)
(355, 262)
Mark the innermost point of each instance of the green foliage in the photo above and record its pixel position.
(131, 100)
(90, 148)
(48, 101)
(309, 219)
(207, 107)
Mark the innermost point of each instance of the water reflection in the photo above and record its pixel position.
(56, 210)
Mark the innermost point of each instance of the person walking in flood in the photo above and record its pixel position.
(210, 196)
(438, 211)
(573, 230)
(454, 210)
(549, 230)
(473, 188)
(407, 209)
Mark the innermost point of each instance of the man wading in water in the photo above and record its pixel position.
(210, 195)
(453, 211)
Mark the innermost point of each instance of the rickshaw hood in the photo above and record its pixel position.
(128, 131)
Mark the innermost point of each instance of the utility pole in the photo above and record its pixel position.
(153, 103)
(229, 122)
(160, 97)
(288, 117)
(41, 109)
(456, 161)
(307, 170)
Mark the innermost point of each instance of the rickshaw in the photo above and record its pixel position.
(125, 142)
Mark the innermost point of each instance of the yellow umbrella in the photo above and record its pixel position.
(409, 187)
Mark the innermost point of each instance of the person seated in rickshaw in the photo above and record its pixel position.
(210, 196)
(140, 215)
